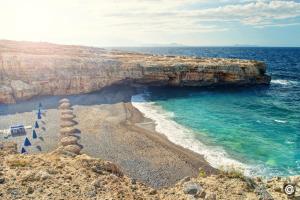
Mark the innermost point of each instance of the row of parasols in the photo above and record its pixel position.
(34, 131)
(69, 139)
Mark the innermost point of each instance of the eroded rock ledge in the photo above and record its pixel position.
(32, 69)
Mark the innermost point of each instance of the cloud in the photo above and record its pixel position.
(138, 20)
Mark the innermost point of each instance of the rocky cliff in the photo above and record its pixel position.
(31, 69)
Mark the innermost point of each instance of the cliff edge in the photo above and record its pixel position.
(29, 69)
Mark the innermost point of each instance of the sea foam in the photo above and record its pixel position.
(283, 82)
(180, 135)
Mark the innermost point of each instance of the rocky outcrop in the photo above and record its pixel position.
(31, 69)
(62, 176)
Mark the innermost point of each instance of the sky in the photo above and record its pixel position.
(152, 22)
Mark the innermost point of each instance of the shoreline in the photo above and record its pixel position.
(185, 138)
(112, 129)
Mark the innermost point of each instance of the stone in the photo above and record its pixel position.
(97, 183)
(30, 190)
(192, 188)
(69, 140)
(133, 181)
(2, 180)
(42, 175)
(153, 192)
(210, 196)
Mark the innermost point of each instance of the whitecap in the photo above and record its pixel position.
(180, 135)
(283, 82)
(280, 121)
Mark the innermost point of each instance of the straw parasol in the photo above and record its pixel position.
(63, 112)
(67, 123)
(65, 106)
(73, 148)
(67, 130)
(67, 117)
(68, 140)
(64, 100)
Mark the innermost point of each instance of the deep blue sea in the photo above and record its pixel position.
(257, 127)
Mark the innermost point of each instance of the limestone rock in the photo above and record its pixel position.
(32, 69)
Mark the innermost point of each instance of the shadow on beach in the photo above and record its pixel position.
(118, 93)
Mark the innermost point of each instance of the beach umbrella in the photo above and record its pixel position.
(67, 130)
(73, 148)
(64, 100)
(34, 135)
(67, 123)
(27, 142)
(67, 117)
(39, 116)
(65, 106)
(23, 150)
(36, 125)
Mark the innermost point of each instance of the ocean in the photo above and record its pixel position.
(256, 129)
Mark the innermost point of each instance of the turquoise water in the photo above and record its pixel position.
(258, 126)
(249, 125)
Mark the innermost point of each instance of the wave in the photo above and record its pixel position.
(180, 135)
(283, 82)
(280, 121)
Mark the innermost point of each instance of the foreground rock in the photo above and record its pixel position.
(32, 69)
(60, 176)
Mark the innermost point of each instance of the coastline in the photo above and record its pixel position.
(111, 128)
(180, 135)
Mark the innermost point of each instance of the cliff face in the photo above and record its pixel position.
(31, 69)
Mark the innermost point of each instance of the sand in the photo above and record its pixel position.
(112, 129)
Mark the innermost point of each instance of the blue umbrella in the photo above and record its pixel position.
(27, 142)
(23, 150)
(39, 116)
(34, 135)
(36, 125)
